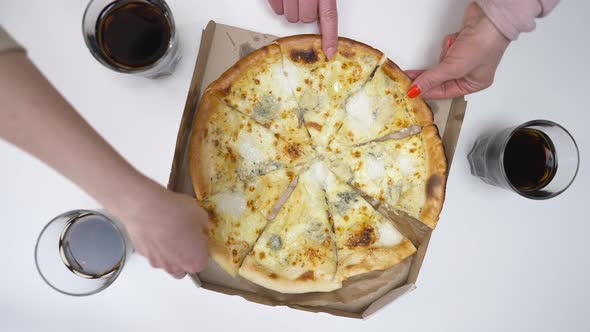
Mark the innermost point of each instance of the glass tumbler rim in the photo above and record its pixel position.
(71, 215)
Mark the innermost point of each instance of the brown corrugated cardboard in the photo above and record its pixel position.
(361, 296)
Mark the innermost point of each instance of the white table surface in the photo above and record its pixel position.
(496, 261)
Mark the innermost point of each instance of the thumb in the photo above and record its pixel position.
(432, 78)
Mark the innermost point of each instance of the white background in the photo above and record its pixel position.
(496, 261)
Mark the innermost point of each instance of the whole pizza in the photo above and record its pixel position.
(292, 154)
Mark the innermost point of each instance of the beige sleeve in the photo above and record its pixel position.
(7, 44)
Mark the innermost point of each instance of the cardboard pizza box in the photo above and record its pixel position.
(361, 296)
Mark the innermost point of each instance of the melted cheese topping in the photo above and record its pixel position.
(393, 172)
(263, 92)
(299, 239)
(230, 204)
(250, 148)
(358, 109)
(389, 236)
(374, 168)
(378, 109)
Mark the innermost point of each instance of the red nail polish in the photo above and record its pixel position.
(414, 91)
(450, 42)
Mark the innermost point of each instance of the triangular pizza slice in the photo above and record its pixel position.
(296, 252)
(228, 146)
(407, 174)
(321, 86)
(380, 108)
(239, 214)
(365, 240)
(256, 86)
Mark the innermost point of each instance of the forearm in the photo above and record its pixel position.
(514, 17)
(37, 119)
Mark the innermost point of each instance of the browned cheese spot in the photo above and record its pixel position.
(314, 125)
(309, 275)
(231, 154)
(304, 56)
(347, 53)
(312, 255)
(234, 252)
(256, 81)
(273, 276)
(293, 152)
(363, 238)
(356, 154)
(261, 255)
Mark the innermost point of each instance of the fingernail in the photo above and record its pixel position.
(450, 42)
(330, 52)
(414, 91)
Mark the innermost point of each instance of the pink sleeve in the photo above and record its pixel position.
(512, 17)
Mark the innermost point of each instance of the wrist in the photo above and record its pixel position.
(131, 195)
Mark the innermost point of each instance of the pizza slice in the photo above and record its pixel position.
(228, 146)
(365, 240)
(257, 87)
(239, 214)
(407, 174)
(380, 108)
(296, 252)
(321, 86)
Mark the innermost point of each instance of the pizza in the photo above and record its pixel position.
(294, 156)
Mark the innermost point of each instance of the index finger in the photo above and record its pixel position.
(328, 14)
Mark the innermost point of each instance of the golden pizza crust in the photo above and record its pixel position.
(221, 87)
(197, 160)
(308, 48)
(418, 106)
(437, 176)
(362, 260)
(303, 284)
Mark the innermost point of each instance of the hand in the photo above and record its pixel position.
(169, 229)
(468, 60)
(308, 11)
(166, 227)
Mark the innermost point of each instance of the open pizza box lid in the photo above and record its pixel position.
(361, 296)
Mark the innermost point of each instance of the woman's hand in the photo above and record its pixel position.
(308, 11)
(168, 228)
(468, 60)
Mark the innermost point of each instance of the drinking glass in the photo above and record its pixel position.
(487, 158)
(59, 273)
(93, 15)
